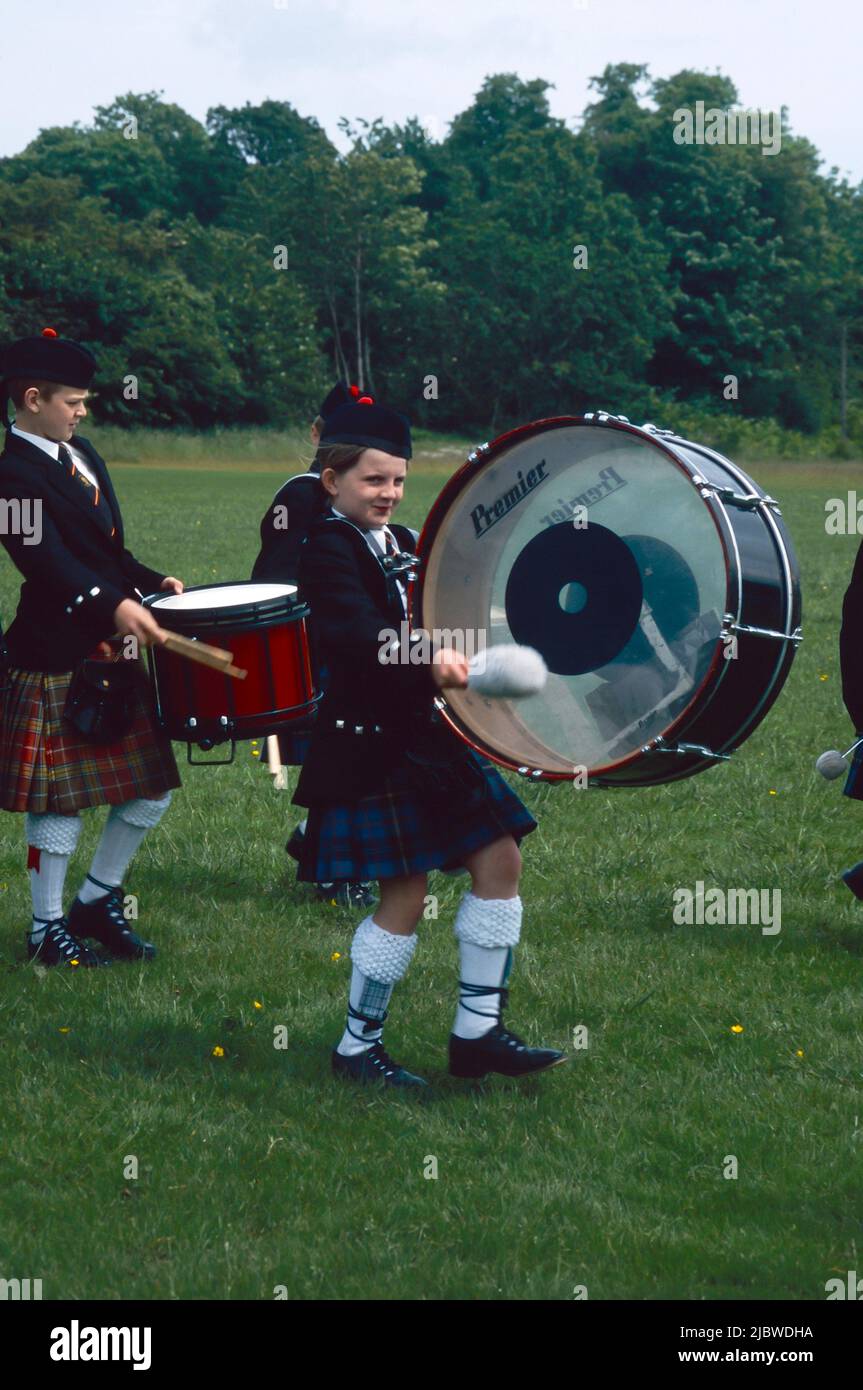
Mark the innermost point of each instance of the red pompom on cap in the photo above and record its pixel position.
(49, 333)
(365, 400)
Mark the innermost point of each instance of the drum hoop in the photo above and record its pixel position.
(734, 577)
(253, 614)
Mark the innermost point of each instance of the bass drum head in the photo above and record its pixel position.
(594, 546)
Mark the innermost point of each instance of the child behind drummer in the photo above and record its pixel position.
(391, 792)
(298, 503)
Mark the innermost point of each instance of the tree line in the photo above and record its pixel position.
(226, 272)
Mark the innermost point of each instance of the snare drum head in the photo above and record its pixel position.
(592, 545)
(220, 596)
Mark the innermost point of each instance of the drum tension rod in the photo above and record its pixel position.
(685, 749)
(747, 502)
(729, 626)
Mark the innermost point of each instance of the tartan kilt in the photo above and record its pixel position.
(400, 831)
(854, 781)
(294, 748)
(46, 765)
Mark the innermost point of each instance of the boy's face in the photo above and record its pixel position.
(56, 418)
(368, 493)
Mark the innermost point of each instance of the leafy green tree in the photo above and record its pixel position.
(269, 133)
(356, 241)
(204, 171)
(131, 175)
(504, 106)
(536, 325)
(112, 284)
(263, 318)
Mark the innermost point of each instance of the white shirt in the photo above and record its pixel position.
(52, 448)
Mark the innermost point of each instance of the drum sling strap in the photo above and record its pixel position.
(5, 663)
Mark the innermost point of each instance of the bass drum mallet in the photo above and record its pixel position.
(832, 763)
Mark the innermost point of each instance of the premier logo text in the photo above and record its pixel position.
(484, 518)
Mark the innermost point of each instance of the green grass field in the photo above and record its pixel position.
(257, 1170)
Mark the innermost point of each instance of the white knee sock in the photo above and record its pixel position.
(487, 929)
(380, 958)
(125, 828)
(46, 891)
(51, 840)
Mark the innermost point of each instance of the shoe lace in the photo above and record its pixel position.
(68, 945)
(113, 908)
(471, 991)
(381, 1060)
(511, 1039)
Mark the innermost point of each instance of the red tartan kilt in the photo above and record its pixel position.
(46, 765)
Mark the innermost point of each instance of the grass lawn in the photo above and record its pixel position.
(257, 1170)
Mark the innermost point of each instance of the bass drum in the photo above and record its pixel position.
(655, 577)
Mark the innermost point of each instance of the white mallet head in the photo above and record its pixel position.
(507, 672)
(831, 764)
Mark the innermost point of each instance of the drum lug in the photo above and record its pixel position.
(478, 452)
(601, 415)
(729, 627)
(208, 740)
(533, 772)
(650, 428)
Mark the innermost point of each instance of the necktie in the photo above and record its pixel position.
(395, 587)
(94, 492)
(74, 472)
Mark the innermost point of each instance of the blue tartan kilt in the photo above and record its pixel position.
(294, 748)
(400, 831)
(854, 781)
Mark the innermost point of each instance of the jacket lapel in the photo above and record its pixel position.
(56, 477)
(385, 594)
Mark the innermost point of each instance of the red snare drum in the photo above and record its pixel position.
(264, 627)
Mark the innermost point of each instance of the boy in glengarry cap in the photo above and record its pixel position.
(81, 588)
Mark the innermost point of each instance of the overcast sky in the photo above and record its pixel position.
(396, 58)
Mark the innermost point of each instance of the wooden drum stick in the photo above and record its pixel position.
(203, 653)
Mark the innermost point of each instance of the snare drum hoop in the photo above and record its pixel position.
(718, 669)
(267, 612)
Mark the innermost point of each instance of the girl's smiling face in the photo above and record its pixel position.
(369, 492)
